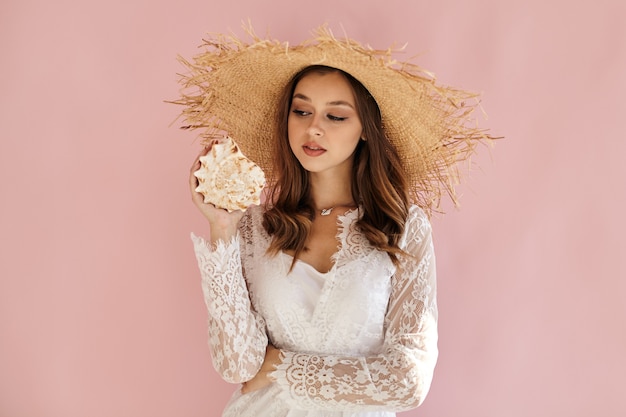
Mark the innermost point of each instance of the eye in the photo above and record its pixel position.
(336, 118)
(301, 113)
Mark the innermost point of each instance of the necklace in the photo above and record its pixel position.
(327, 211)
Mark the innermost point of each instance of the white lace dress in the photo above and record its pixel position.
(359, 340)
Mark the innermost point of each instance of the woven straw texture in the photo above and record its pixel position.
(233, 88)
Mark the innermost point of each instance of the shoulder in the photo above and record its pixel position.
(416, 228)
(417, 218)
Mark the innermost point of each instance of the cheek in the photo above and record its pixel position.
(357, 133)
(292, 128)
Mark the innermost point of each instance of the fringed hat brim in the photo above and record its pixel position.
(233, 88)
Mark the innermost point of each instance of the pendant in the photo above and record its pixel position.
(326, 212)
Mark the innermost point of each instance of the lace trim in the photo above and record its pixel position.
(236, 333)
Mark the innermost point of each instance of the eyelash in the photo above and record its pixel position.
(303, 113)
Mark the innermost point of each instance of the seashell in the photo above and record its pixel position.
(228, 179)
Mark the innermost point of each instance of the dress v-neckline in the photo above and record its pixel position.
(309, 266)
(340, 236)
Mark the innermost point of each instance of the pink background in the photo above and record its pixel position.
(101, 312)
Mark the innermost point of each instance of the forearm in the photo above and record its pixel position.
(237, 352)
(395, 380)
(236, 333)
(223, 231)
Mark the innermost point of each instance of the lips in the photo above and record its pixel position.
(313, 149)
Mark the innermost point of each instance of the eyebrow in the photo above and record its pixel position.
(330, 103)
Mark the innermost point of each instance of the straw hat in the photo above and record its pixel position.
(233, 88)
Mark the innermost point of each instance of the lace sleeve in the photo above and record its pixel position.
(236, 332)
(397, 379)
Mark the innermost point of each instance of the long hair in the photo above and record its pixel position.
(379, 185)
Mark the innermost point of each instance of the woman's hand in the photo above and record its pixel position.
(223, 224)
(262, 378)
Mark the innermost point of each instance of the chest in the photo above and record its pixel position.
(341, 311)
(322, 244)
(334, 299)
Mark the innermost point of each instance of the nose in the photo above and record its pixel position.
(315, 129)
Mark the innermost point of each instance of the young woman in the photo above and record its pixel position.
(322, 300)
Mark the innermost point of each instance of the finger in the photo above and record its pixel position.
(196, 163)
(219, 139)
(196, 197)
(207, 148)
(193, 180)
(250, 386)
(208, 144)
(195, 167)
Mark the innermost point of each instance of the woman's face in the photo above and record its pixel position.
(323, 125)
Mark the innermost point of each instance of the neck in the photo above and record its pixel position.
(330, 193)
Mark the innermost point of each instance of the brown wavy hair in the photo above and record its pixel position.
(379, 184)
